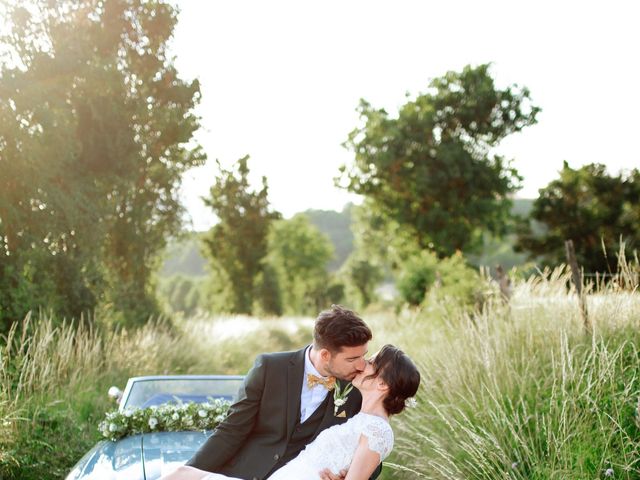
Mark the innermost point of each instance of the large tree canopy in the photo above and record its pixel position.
(587, 205)
(95, 126)
(431, 168)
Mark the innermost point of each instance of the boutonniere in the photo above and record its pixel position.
(340, 397)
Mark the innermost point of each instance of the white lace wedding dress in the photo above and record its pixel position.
(333, 448)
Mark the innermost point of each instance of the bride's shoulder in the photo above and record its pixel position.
(378, 433)
(375, 423)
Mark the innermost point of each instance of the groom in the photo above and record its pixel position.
(287, 399)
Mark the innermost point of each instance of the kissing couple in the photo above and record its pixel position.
(298, 416)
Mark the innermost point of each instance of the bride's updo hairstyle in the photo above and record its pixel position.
(400, 374)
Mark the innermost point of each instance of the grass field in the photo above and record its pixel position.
(509, 392)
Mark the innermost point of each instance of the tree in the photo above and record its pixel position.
(238, 243)
(381, 239)
(590, 207)
(268, 298)
(363, 276)
(180, 291)
(299, 252)
(337, 226)
(154, 151)
(94, 127)
(48, 218)
(430, 169)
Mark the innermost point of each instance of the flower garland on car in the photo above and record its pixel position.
(169, 417)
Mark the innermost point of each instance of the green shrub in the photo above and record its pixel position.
(418, 274)
(458, 281)
(424, 276)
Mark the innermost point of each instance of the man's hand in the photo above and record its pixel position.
(327, 474)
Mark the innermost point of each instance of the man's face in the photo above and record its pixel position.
(346, 364)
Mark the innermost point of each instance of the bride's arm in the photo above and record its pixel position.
(364, 461)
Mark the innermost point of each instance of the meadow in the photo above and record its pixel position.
(510, 391)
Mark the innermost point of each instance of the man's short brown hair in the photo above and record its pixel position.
(340, 327)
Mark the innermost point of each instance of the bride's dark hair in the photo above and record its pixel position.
(400, 374)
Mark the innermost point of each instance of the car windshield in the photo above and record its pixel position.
(146, 392)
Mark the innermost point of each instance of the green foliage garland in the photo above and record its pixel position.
(171, 417)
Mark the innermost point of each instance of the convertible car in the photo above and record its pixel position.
(148, 456)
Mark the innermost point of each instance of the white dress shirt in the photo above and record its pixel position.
(310, 398)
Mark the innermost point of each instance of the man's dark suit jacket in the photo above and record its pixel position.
(255, 434)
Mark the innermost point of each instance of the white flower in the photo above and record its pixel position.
(175, 416)
(128, 413)
(340, 396)
(202, 413)
(113, 427)
(153, 422)
(410, 402)
(608, 472)
(219, 418)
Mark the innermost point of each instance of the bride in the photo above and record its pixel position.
(358, 445)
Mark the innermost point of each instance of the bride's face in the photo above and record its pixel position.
(365, 379)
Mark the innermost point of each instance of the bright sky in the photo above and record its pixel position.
(281, 80)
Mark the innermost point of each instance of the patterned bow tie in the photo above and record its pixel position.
(329, 383)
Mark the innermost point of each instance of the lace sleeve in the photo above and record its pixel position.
(380, 438)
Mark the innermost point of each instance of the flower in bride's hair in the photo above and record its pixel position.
(410, 402)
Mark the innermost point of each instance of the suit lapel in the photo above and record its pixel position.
(295, 374)
(350, 408)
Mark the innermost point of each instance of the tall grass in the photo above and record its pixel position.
(54, 378)
(521, 392)
(510, 392)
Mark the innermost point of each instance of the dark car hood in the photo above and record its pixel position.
(139, 457)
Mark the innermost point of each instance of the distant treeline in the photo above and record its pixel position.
(184, 256)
